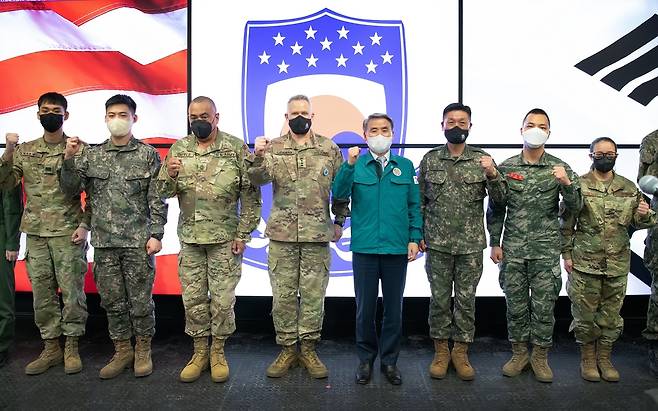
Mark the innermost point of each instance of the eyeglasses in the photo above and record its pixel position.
(599, 156)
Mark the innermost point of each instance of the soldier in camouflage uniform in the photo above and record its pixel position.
(529, 259)
(206, 171)
(56, 231)
(301, 166)
(597, 256)
(127, 224)
(454, 179)
(649, 167)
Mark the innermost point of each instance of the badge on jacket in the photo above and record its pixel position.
(397, 172)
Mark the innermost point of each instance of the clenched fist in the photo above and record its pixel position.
(561, 175)
(11, 140)
(643, 208)
(353, 155)
(487, 165)
(260, 145)
(174, 165)
(72, 147)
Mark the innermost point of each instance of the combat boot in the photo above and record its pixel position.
(439, 366)
(519, 360)
(588, 363)
(286, 359)
(608, 371)
(143, 363)
(310, 360)
(218, 366)
(199, 361)
(459, 357)
(653, 358)
(122, 359)
(50, 356)
(539, 364)
(72, 361)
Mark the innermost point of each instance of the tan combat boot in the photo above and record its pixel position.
(143, 363)
(439, 366)
(310, 360)
(588, 363)
(72, 361)
(199, 361)
(122, 359)
(49, 357)
(459, 357)
(608, 371)
(539, 364)
(519, 360)
(218, 366)
(286, 359)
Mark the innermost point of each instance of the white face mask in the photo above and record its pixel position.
(534, 137)
(379, 144)
(119, 127)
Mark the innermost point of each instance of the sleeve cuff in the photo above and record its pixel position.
(494, 241)
(84, 225)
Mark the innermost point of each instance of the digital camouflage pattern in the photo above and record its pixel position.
(301, 177)
(209, 188)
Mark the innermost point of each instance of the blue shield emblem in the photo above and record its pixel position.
(349, 68)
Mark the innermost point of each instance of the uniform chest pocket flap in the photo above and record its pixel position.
(475, 186)
(137, 181)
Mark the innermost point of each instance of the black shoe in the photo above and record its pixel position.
(363, 373)
(392, 374)
(3, 358)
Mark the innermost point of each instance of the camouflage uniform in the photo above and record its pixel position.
(50, 217)
(299, 228)
(530, 272)
(452, 193)
(649, 166)
(597, 241)
(126, 211)
(209, 186)
(10, 218)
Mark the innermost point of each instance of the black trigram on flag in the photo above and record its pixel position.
(618, 78)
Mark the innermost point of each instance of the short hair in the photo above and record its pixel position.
(52, 97)
(376, 116)
(537, 111)
(204, 99)
(601, 140)
(299, 97)
(457, 107)
(122, 99)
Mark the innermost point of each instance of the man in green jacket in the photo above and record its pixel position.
(386, 231)
(10, 219)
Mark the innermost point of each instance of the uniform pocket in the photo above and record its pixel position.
(137, 182)
(435, 181)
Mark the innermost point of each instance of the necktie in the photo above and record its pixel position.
(381, 165)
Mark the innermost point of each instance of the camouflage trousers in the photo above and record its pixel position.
(531, 288)
(651, 262)
(209, 274)
(463, 271)
(52, 263)
(298, 269)
(124, 278)
(596, 301)
(7, 300)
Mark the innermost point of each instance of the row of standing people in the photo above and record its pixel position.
(216, 180)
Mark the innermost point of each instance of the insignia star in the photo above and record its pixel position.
(358, 48)
(387, 58)
(312, 60)
(375, 39)
(264, 58)
(278, 39)
(371, 67)
(326, 44)
(310, 33)
(341, 61)
(283, 67)
(342, 33)
(296, 49)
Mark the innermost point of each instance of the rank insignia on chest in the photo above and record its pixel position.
(301, 162)
(515, 176)
(325, 172)
(397, 172)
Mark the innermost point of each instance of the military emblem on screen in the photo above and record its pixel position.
(349, 68)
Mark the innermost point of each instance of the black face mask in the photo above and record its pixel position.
(605, 164)
(201, 129)
(300, 125)
(456, 135)
(51, 122)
